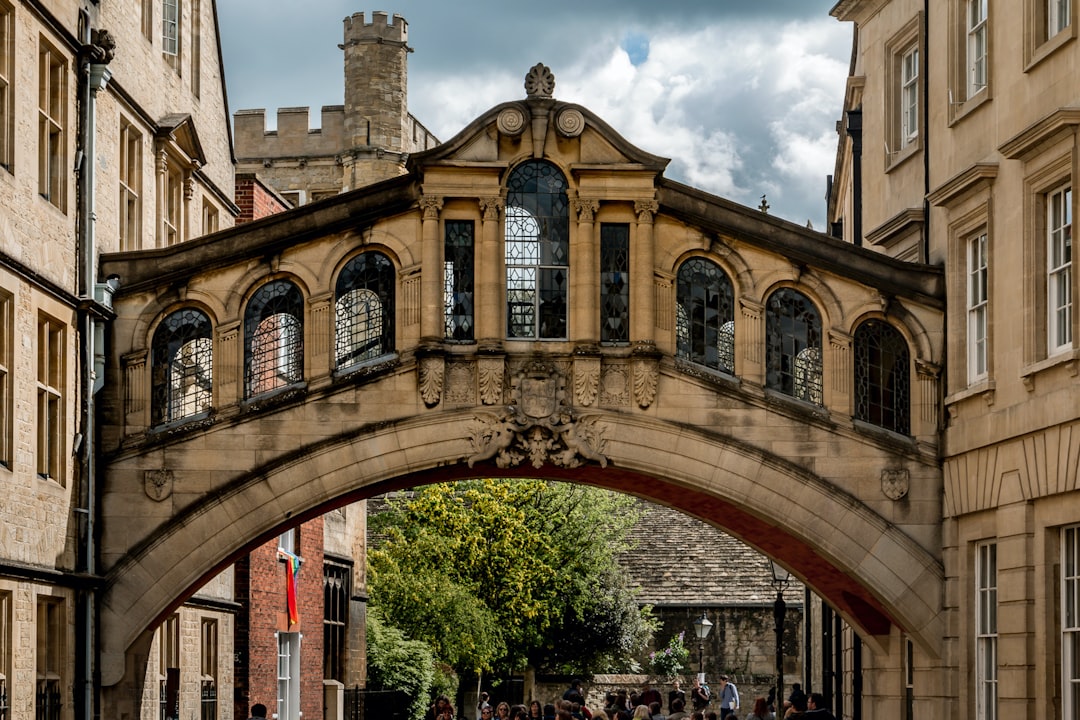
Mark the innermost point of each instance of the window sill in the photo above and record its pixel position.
(1049, 47)
(898, 158)
(780, 398)
(367, 367)
(960, 110)
(884, 434)
(985, 387)
(1068, 359)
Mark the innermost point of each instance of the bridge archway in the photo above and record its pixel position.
(852, 508)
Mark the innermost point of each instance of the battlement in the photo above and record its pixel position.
(378, 30)
(293, 137)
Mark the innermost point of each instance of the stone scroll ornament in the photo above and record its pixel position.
(538, 425)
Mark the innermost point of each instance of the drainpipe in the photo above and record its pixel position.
(94, 310)
(925, 75)
(854, 131)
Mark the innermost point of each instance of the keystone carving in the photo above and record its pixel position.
(158, 484)
(895, 483)
(431, 371)
(538, 425)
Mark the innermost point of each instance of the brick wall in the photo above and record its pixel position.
(261, 577)
(256, 199)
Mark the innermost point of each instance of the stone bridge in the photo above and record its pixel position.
(533, 298)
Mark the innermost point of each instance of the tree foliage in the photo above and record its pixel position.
(497, 574)
(397, 663)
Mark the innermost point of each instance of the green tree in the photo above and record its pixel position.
(397, 663)
(496, 574)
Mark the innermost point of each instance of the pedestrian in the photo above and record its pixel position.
(796, 692)
(481, 704)
(760, 711)
(729, 697)
(678, 709)
(700, 694)
(258, 712)
(817, 708)
(676, 693)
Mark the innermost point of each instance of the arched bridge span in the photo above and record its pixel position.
(532, 298)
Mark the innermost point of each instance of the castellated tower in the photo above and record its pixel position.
(363, 141)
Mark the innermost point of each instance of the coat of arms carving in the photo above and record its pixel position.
(158, 484)
(539, 425)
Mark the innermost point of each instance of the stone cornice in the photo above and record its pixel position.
(1051, 128)
(964, 182)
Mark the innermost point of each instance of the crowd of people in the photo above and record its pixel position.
(702, 703)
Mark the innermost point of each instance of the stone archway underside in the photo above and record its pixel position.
(870, 571)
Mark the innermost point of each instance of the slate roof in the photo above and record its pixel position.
(681, 561)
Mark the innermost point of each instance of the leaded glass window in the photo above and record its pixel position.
(537, 252)
(793, 346)
(1070, 621)
(182, 363)
(273, 338)
(458, 278)
(882, 394)
(364, 309)
(705, 315)
(614, 283)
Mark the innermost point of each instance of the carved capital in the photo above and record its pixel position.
(431, 206)
(645, 210)
(490, 207)
(586, 208)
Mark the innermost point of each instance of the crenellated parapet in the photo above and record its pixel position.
(376, 31)
(293, 138)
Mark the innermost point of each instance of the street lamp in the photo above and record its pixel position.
(780, 577)
(702, 628)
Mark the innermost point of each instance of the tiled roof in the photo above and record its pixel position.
(679, 560)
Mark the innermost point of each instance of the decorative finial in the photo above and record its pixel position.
(539, 82)
(764, 206)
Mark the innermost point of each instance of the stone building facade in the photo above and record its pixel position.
(113, 136)
(960, 148)
(365, 140)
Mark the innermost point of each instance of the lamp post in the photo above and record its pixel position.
(780, 577)
(702, 628)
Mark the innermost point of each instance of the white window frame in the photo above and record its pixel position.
(986, 631)
(1058, 16)
(52, 350)
(977, 51)
(1059, 306)
(909, 95)
(977, 306)
(170, 28)
(1070, 621)
(288, 676)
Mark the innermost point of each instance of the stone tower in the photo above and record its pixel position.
(376, 98)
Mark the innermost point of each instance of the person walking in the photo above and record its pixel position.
(728, 696)
(700, 694)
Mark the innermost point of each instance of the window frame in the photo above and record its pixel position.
(288, 675)
(51, 398)
(1069, 604)
(52, 124)
(692, 337)
(1059, 274)
(804, 367)
(283, 357)
(459, 280)
(367, 279)
(7, 86)
(614, 262)
(889, 388)
(900, 142)
(208, 662)
(130, 172)
(171, 17)
(530, 269)
(986, 631)
(977, 38)
(49, 667)
(7, 340)
(977, 306)
(173, 375)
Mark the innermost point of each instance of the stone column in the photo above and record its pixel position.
(642, 302)
(490, 264)
(432, 328)
(162, 169)
(585, 275)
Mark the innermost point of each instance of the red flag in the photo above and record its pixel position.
(292, 575)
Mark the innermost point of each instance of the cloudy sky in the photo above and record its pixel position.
(742, 95)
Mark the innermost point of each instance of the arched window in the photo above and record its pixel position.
(273, 338)
(705, 315)
(364, 309)
(537, 251)
(882, 377)
(182, 364)
(793, 346)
